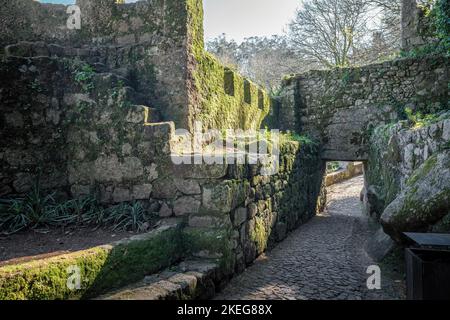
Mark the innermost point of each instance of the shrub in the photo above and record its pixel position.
(32, 212)
(128, 217)
(36, 211)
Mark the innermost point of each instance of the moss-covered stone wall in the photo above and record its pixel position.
(244, 213)
(219, 97)
(143, 41)
(94, 112)
(407, 177)
(341, 107)
(226, 100)
(101, 269)
(397, 151)
(76, 132)
(102, 22)
(158, 45)
(73, 101)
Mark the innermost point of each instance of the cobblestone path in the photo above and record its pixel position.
(323, 259)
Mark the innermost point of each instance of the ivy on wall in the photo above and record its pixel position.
(435, 25)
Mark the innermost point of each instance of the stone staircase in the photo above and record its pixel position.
(41, 50)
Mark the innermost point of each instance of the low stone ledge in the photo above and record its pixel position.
(353, 170)
(101, 268)
(192, 279)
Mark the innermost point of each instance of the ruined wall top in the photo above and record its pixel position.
(414, 23)
(340, 108)
(102, 22)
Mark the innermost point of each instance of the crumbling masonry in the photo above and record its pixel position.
(94, 111)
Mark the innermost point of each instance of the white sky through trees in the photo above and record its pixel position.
(240, 19)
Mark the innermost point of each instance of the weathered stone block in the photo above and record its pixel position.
(127, 39)
(239, 216)
(165, 211)
(217, 198)
(23, 182)
(136, 115)
(200, 171)
(164, 189)
(108, 169)
(188, 187)
(252, 210)
(186, 205)
(142, 192)
(121, 195)
(160, 131)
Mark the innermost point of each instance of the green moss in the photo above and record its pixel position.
(260, 235)
(218, 109)
(102, 269)
(214, 241)
(422, 171)
(46, 280)
(225, 111)
(418, 213)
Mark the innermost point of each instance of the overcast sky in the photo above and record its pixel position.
(239, 19)
(246, 18)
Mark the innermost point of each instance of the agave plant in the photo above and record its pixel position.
(31, 212)
(13, 217)
(128, 217)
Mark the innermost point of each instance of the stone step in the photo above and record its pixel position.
(153, 115)
(189, 280)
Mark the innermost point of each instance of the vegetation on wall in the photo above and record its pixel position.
(302, 139)
(419, 120)
(215, 104)
(436, 20)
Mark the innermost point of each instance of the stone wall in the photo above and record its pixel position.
(238, 214)
(226, 99)
(144, 41)
(76, 139)
(91, 137)
(414, 24)
(72, 137)
(94, 112)
(74, 102)
(400, 158)
(340, 107)
(353, 169)
(218, 96)
(157, 45)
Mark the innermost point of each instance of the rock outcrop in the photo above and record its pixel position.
(408, 179)
(424, 202)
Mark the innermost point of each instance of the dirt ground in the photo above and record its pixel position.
(24, 246)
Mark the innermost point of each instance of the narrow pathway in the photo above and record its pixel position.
(323, 259)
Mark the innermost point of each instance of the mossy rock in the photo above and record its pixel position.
(424, 201)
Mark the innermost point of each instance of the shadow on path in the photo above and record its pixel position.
(323, 259)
